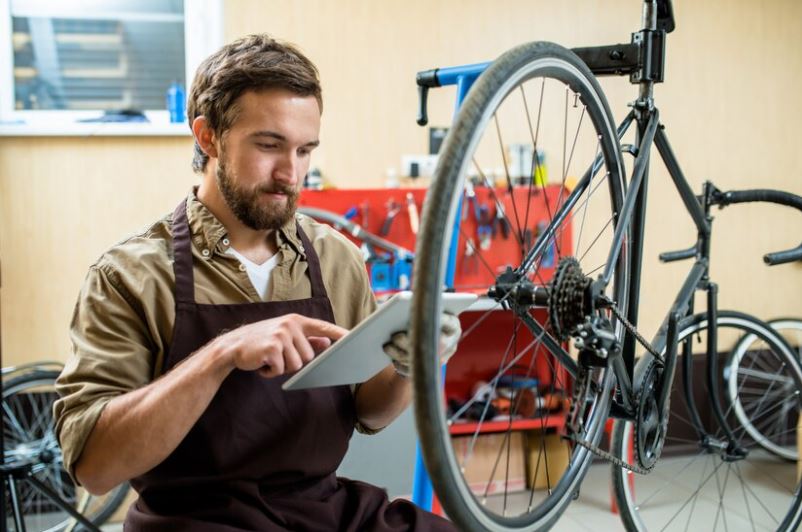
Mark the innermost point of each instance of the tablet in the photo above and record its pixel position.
(358, 356)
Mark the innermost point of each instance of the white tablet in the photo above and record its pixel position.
(358, 356)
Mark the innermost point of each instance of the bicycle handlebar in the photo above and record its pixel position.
(769, 196)
(671, 256)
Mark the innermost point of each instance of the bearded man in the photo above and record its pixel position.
(183, 334)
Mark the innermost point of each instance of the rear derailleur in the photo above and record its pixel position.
(576, 310)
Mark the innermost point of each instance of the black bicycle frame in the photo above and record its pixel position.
(643, 59)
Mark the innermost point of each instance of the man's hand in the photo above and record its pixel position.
(279, 345)
(400, 350)
(135, 432)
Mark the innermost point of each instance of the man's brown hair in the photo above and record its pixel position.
(255, 62)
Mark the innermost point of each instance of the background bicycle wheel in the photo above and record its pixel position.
(29, 435)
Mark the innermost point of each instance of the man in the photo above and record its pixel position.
(184, 333)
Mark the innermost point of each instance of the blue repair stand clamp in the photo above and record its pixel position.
(463, 77)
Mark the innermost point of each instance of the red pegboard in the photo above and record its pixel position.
(524, 209)
(480, 353)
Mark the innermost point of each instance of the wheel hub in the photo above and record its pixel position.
(512, 289)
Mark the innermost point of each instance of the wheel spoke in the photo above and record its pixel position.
(584, 207)
(520, 230)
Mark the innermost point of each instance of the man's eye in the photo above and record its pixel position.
(304, 152)
(267, 146)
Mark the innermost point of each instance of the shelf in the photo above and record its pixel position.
(96, 129)
(553, 421)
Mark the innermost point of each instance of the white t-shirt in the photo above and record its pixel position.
(259, 274)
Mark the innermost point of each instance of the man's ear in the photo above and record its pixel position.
(204, 136)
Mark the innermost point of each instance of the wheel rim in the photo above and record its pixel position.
(523, 346)
(739, 372)
(700, 491)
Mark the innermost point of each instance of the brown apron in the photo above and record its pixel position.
(260, 458)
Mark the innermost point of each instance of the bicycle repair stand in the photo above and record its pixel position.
(11, 474)
(25, 471)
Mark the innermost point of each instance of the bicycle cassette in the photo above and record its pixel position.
(569, 298)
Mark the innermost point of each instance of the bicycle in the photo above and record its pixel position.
(42, 496)
(579, 333)
(748, 377)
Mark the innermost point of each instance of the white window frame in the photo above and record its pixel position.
(203, 35)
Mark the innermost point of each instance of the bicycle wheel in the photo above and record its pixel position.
(28, 432)
(513, 370)
(698, 486)
(747, 381)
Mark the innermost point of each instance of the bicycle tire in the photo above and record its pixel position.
(29, 435)
(642, 507)
(543, 62)
(789, 328)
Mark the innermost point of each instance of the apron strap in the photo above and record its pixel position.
(182, 256)
(313, 262)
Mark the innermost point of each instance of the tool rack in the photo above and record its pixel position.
(485, 248)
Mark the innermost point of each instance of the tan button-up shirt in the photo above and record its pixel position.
(123, 321)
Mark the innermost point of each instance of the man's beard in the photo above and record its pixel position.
(246, 205)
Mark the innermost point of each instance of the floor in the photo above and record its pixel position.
(591, 511)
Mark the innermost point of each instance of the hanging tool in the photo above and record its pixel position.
(470, 260)
(350, 214)
(484, 228)
(412, 209)
(528, 239)
(393, 208)
(365, 208)
(470, 195)
(500, 221)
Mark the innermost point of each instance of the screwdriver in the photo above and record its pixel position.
(414, 222)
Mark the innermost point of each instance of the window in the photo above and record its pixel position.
(73, 66)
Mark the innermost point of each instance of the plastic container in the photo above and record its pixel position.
(176, 103)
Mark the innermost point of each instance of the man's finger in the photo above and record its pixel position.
(319, 343)
(293, 360)
(449, 324)
(397, 354)
(313, 327)
(304, 350)
(402, 340)
(272, 367)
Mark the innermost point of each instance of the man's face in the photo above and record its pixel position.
(265, 155)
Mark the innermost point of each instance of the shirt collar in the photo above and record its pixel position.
(207, 231)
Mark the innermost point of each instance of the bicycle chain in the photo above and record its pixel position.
(567, 288)
(634, 331)
(573, 415)
(580, 383)
(609, 457)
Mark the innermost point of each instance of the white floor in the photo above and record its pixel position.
(591, 512)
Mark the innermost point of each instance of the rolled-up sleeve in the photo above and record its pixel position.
(111, 354)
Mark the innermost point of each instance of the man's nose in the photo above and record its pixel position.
(287, 169)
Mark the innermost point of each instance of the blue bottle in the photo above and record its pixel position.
(176, 103)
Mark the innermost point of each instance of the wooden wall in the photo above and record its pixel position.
(730, 105)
